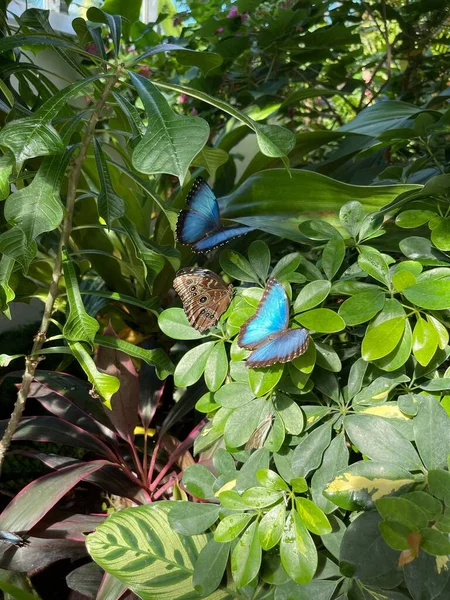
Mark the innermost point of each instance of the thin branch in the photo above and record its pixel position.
(31, 362)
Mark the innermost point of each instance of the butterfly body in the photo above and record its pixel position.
(199, 225)
(13, 538)
(267, 333)
(204, 294)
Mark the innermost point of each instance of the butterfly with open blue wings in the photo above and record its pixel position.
(199, 225)
(267, 333)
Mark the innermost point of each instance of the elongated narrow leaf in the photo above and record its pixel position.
(24, 511)
(138, 546)
(246, 557)
(6, 168)
(110, 205)
(152, 260)
(156, 358)
(305, 195)
(104, 385)
(171, 141)
(79, 327)
(6, 292)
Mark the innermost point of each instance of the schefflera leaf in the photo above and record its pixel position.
(171, 141)
(359, 486)
(138, 546)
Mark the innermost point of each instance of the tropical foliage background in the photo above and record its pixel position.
(126, 465)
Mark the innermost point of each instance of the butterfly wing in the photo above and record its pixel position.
(285, 347)
(220, 237)
(202, 216)
(271, 317)
(204, 294)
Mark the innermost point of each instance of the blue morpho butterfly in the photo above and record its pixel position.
(267, 333)
(199, 225)
(13, 538)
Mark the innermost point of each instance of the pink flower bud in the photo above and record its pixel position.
(183, 99)
(244, 17)
(233, 12)
(219, 30)
(144, 71)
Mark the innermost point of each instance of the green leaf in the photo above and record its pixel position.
(403, 280)
(16, 593)
(174, 323)
(191, 366)
(256, 201)
(401, 353)
(192, 518)
(271, 526)
(408, 219)
(246, 557)
(311, 295)
(308, 454)
(424, 341)
(206, 61)
(395, 534)
(260, 497)
(79, 326)
(129, 9)
(432, 294)
(265, 379)
(351, 216)
(363, 552)
(105, 385)
(234, 395)
(114, 23)
(432, 433)
(231, 526)
(380, 117)
(290, 413)
(322, 320)
(131, 540)
(377, 392)
(231, 499)
(312, 516)
(380, 441)
(210, 567)
(297, 550)
(110, 205)
(434, 542)
(440, 235)
(362, 307)
(286, 266)
(216, 367)
(382, 339)
(237, 266)
(443, 336)
(243, 422)
(6, 168)
(403, 511)
(372, 262)
(271, 480)
(333, 256)
(7, 294)
(199, 481)
(35, 209)
(156, 358)
(439, 484)
(273, 140)
(210, 159)
(163, 148)
(335, 459)
(259, 257)
(315, 590)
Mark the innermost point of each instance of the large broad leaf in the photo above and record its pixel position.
(171, 141)
(273, 141)
(35, 209)
(206, 61)
(432, 433)
(35, 136)
(304, 195)
(381, 116)
(139, 547)
(37, 498)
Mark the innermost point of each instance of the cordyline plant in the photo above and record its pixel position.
(326, 477)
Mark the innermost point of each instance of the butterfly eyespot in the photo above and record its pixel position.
(193, 288)
(202, 312)
(203, 299)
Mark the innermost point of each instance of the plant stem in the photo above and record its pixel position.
(31, 361)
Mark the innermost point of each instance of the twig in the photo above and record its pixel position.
(32, 360)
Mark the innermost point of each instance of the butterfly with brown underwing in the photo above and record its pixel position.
(204, 294)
